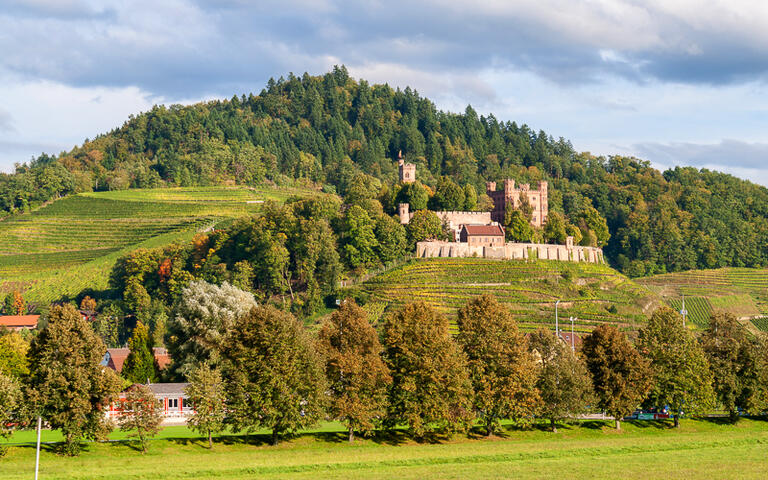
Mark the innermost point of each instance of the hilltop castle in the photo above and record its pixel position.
(510, 195)
(407, 170)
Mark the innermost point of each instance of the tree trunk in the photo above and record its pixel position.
(677, 420)
(554, 425)
(274, 437)
(618, 423)
(351, 434)
(210, 440)
(489, 429)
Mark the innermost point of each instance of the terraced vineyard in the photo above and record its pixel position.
(594, 294)
(742, 292)
(72, 243)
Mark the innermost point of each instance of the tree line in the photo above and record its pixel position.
(328, 130)
(252, 366)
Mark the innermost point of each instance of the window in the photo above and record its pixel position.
(173, 403)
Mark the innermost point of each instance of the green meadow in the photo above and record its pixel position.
(591, 449)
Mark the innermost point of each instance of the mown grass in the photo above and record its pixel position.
(71, 244)
(594, 294)
(699, 449)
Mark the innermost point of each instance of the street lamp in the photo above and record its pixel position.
(556, 320)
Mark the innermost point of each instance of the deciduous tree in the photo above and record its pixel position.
(208, 396)
(275, 376)
(357, 375)
(425, 225)
(620, 375)
(564, 383)
(10, 403)
(67, 386)
(13, 355)
(682, 378)
(431, 390)
(502, 369)
(141, 414)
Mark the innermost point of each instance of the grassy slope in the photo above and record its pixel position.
(740, 291)
(71, 244)
(531, 288)
(700, 449)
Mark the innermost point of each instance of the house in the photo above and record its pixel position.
(482, 235)
(115, 358)
(175, 404)
(19, 322)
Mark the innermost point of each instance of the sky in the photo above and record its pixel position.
(675, 82)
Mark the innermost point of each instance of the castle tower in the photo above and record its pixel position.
(538, 199)
(407, 170)
(403, 211)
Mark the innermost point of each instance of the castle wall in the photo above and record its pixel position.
(511, 251)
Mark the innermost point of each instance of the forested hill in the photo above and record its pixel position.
(332, 130)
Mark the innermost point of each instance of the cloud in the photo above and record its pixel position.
(725, 154)
(6, 121)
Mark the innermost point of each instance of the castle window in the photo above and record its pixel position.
(534, 219)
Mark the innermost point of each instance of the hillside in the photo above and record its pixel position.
(594, 294)
(340, 132)
(742, 292)
(71, 244)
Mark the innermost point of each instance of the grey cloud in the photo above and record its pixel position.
(726, 154)
(6, 121)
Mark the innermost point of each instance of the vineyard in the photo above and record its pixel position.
(595, 294)
(742, 292)
(70, 244)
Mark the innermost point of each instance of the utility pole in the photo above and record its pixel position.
(683, 311)
(557, 333)
(573, 345)
(37, 455)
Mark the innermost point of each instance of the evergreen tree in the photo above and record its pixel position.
(470, 198)
(208, 396)
(431, 390)
(502, 370)
(272, 368)
(564, 382)
(620, 375)
(682, 378)
(354, 368)
(141, 414)
(139, 366)
(67, 386)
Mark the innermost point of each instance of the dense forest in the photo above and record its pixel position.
(338, 133)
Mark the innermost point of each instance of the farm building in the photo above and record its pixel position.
(19, 322)
(174, 402)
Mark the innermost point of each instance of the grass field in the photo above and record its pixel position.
(594, 294)
(742, 292)
(70, 244)
(643, 450)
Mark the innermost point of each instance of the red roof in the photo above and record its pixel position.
(19, 321)
(161, 357)
(486, 230)
(117, 357)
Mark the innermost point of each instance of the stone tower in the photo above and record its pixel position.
(538, 199)
(403, 211)
(407, 170)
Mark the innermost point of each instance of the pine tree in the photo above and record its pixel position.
(502, 370)
(682, 378)
(139, 367)
(272, 368)
(620, 375)
(431, 390)
(355, 370)
(208, 397)
(141, 415)
(67, 386)
(564, 382)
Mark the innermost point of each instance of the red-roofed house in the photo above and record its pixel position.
(19, 322)
(115, 358)
(482, 235)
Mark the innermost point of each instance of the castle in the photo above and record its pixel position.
(407, 170)
(513, 196)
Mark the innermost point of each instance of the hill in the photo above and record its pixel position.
(594, 294)
(742, 292)
(340, 132)
(71, 244)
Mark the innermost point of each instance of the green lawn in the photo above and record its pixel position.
(699, 449)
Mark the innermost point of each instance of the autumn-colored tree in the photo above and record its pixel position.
(272, 368)
(88, 304)
(735, 361)
(431, 390)
(66, 384)
(620, 375)
(502, 369)
(13, 355)
(15, 304)
(141, 414)
(357, 375)
(208, 397)
(139, 366)
(564, 383)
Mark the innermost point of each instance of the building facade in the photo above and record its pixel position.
(407, 171)
(538, 199)
(482, 235)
